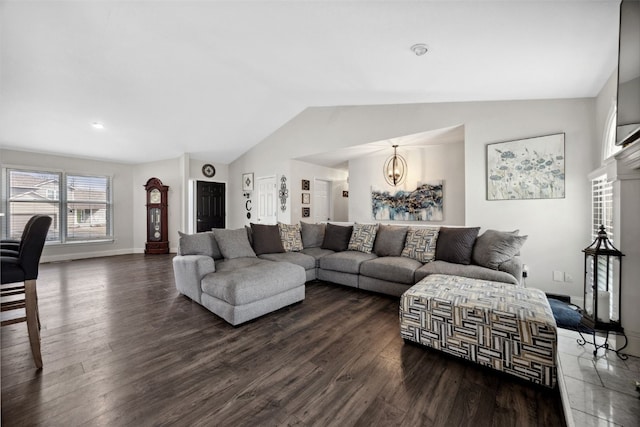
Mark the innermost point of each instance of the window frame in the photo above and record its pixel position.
(62, 202)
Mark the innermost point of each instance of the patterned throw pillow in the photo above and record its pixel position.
(421, 244)
(363, 237)
(291, 237)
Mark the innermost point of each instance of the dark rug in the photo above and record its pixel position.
(567, 315)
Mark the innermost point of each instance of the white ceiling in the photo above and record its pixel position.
(213, 78)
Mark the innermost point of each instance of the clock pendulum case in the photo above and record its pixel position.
(157, 234)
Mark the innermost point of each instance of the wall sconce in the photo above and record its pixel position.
(395, 168)
(602, 292)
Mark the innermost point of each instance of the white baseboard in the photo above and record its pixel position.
(83, 255)
(95, 254)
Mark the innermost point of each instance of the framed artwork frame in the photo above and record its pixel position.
(306, 198)
(306, 212)
(530, 168)
(306, 185)
(247, 181)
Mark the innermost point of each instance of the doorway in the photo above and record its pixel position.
(267, 200)
(210, 205)
(322, 200)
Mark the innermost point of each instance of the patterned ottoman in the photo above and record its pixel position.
(503, 326)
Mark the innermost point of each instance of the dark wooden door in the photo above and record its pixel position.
(210, 205)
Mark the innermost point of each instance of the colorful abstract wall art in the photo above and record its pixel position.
(425, 203)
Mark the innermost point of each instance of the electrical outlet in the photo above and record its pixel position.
(558, 276)
(568, 277)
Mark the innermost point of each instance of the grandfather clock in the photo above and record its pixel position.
(157, 235)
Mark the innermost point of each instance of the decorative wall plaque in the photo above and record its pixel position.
(284, 193)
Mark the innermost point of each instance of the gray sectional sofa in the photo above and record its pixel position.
(245, 273)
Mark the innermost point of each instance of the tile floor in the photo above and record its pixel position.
(597, 391)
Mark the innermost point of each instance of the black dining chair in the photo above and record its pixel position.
(11, 247)
(18, 281)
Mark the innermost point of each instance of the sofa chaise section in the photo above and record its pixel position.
(242, 289)
(221, 272)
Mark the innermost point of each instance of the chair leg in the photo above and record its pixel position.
(31, 307)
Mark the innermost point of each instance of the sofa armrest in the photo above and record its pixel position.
(188, 271)
(513, 267)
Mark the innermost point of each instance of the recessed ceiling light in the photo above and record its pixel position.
(97, 125)
(419, 49)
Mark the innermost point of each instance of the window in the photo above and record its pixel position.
(602, 214)
(88, 207)
(602, 206)
(80, 205)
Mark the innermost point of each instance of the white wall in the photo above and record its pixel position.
(434, 162)
(122, 201)
(302, 170)
(195, 171)
(558, 229)
(340, 203)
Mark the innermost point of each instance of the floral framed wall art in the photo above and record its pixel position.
(531, 168)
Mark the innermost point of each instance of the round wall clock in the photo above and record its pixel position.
(208, 170)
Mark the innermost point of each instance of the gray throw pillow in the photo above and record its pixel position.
(456, 244)
(312, 234)
(199, 244)
(234, 243)
(336, 237)
(266, 239)
(390, 240)
(493, 248)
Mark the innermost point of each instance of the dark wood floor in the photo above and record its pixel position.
(121, 347)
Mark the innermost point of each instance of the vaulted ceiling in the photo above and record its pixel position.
(214, 78)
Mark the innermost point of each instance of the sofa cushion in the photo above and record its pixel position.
(253, 283)
(266, 239)
(456, 244)
(312, 234)
(317, 253)
(345, 262)
(290, 237)
(391, 268)
(362, 238)
(471, 271)
(239, 263)
(336, 237)
(306, 261)
(493, 247)
(199, 244)
(421, 243)
(390, 240)
(234, 243)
